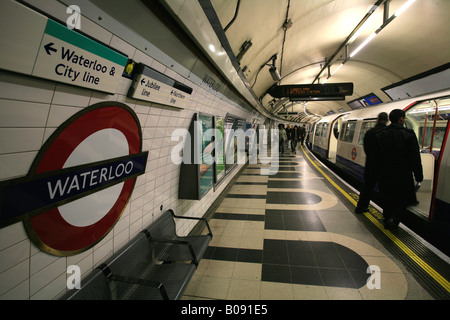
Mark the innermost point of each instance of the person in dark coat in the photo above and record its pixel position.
(370, 178)
(294, 138)
(396, 157)
(282, 137)
(302, 134)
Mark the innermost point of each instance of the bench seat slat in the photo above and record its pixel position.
(165, 228)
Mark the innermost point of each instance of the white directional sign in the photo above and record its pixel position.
(69, 57)
(151, 85)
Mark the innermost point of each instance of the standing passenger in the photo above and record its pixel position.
(283, 137)
(396, 158)
(294, 139)
(302, 134)
(370, 178)
(289, 136)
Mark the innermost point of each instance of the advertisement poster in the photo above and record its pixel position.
(230, 142)
(206, 149)
(220, 145)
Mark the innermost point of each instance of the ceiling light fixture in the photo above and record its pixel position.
(340, 66)
(362, 45)
(373, 35)
(326, 79)
(404, 7)
(363, 27)
(351, 36)
(370, 38)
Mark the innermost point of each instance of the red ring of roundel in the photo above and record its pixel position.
(50, 227)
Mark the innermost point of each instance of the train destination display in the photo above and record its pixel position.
(308, 91)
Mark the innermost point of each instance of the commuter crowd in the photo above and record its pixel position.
(290, 137)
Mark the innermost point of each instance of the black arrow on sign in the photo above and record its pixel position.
(49, 47)
(142, 82)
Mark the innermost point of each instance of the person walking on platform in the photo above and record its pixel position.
(288, 134)
(282, 137)
(370, 178)
(396, 157)
(302, 134)
(294, 138)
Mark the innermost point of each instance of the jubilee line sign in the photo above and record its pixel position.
(69, 57)
(153, 86)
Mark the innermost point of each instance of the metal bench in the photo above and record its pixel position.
(133, 274)
(170, 247)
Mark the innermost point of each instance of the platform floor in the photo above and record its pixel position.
(288, 236)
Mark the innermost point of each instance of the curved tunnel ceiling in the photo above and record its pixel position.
(305, 35)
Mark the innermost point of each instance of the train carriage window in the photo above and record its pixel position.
(324, 130)
(348, 131)
(429, 119)
(336, 129)
(366, 126)
(319, 130)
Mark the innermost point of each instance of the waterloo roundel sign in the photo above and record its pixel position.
(80, 181)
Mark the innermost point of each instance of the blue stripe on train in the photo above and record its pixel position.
(321, 151)
(348, 166)
(351, 168)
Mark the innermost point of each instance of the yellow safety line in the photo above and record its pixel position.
(330, 180)
(425, 266)
(433, 273)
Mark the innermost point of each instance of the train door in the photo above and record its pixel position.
(333, 140)
(316, 144)
(429, 119)
(440, 205)
(310, 135)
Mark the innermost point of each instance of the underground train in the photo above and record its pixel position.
(338, 139)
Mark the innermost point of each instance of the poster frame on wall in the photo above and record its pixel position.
(219, 148)
(196, 177)
(234, 123)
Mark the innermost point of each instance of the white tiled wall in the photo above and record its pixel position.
(31, 109)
